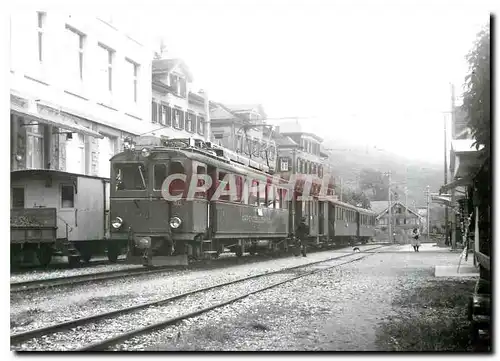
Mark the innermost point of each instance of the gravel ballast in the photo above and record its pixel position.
(342, 309)
(48, 307)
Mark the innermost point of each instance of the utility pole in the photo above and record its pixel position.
(445, 182)
(428, 193)
(341, 189)
(453, 215)
(389, 208)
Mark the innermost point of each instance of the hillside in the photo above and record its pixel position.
(348, 161)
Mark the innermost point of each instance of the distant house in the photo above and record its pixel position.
(403, 218)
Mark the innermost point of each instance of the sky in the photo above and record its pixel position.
(373, 73)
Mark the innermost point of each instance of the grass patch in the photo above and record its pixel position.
(429, 318)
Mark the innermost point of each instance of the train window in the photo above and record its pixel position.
(67, 196)
(130, 176)
(253, 195)
(200, 170)
(271, 196)
(223, 197)
(160, 173)
(17, 197)
(239, 188)
(177, 186)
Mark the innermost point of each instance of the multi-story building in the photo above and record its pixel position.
(300, 151)
(243, 129)
(177, 111)
(78, 87)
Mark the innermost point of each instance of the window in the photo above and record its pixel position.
(284, 164)
(130, 176)
(201, 125)
(35, 148)
(133, 70)
(75, 154)
(177, 186)
(176, 118)
(162, 114)
(40, 30)
(190, 119)
(76, 42)
(201, 194)
(67, 196)
(17, 197)
(226, 187)
(160, 173)
(106, 67)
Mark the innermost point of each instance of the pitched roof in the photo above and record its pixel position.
(380, 207)
(285, 141)
(168, 65)
(247, 107)
(221, 113)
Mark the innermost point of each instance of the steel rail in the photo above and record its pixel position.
(105, 344)
(78, 279)
(20, 337)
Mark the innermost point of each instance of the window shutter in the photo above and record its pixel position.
(154, 110)
(187, 124)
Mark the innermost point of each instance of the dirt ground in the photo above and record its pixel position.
(388, 302)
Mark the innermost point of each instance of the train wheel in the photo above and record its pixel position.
(74, 261)
(113, 253)
(44, 255)
(86, 256)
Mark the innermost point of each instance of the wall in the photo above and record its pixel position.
(111, 113)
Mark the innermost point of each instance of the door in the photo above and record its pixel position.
(321, 219)
(90, 209)
(67, 225)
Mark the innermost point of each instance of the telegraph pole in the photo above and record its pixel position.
(428, 193)
(453, 215)
(341, 189)
(445, 182)
(389, 209)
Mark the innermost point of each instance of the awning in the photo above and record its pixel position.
(62, 120)
(465, 181)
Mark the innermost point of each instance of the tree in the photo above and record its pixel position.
(477, 97)
(355, 197)
(374, 181)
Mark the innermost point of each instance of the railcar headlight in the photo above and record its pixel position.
(117, 222)
(175, 222)
(145, 152)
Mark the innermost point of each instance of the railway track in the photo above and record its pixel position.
(17, 287)
(92, 322)
(80, 279)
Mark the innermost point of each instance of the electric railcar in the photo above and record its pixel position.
(259, 215)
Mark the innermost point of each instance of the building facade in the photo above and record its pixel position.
(177, 111)
(78, 87)
(243, 129)
(403, 220)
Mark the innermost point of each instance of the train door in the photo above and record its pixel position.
(67, 224)
(321, 218)
(313, 217)
(90, 208)
(107, 221)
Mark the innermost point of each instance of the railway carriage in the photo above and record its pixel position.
(163, 208)
(160, 232)
(59, 213)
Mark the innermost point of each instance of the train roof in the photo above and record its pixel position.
(207, 156)
(350, 206)
(16, 174)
